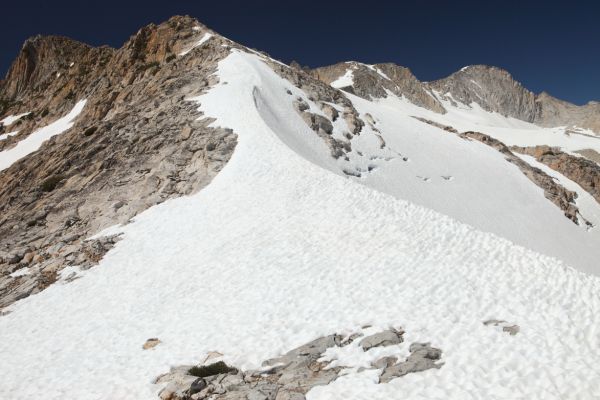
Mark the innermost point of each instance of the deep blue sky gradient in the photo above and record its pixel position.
(551, 46)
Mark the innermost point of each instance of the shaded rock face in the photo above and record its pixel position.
(590, 154)
(292, 375)
(42, 59)
(551, 111)
(492, 88)
(584, 172)
(137, 142)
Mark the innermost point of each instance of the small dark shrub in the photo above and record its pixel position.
(217, 368)
(50, 183)
(170, 57)
(44, 112)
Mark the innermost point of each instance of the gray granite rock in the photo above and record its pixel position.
(381, 339)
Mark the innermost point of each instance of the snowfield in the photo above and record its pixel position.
(473, 182)
(34, 141)
(277, 251)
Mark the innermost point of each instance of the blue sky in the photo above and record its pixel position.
(551, 46)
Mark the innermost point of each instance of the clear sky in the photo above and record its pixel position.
(551, 46)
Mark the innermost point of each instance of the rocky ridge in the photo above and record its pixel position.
(492, 88)
(137, 142)
(375, 81)
(584, 172)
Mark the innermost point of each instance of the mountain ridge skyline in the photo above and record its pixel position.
(546, 48)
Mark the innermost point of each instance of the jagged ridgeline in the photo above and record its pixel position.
(137, 142)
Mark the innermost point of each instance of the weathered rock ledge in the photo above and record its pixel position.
(292, 375)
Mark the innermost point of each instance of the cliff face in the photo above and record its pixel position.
(495, 89)
(554, 112)
(492, 88)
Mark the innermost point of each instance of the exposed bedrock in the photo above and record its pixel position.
(584, 172)
(292, 375)
(138, 142)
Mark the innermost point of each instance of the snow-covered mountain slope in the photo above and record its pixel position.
(387, 203)
(473, 182)
(417, 154)
(277, 251)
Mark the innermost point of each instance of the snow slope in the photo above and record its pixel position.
(472, 182)
(34, 141)
(277, 251)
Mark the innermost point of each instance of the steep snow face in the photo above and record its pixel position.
(277, 251)
(34, 141)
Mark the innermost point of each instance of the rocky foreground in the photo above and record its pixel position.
(292, 375)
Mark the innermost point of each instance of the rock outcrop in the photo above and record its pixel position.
(494, 89)
(137, 142)
(584, 172)
(292, 375)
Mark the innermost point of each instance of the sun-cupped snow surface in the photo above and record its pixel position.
(203, 39)
(33, 142)
(277, 251)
